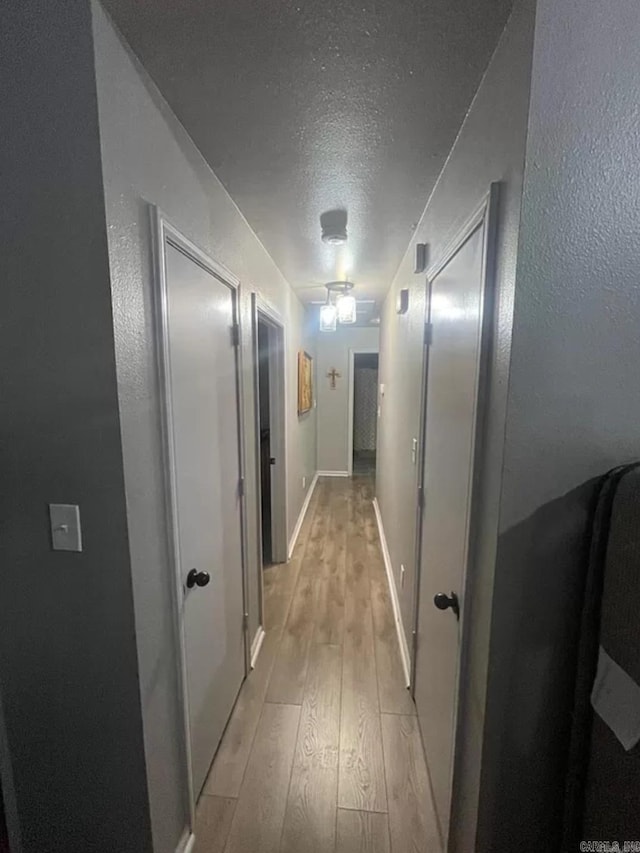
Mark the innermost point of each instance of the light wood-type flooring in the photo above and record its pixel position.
(322, 753)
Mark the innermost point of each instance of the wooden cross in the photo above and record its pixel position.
(333, 375)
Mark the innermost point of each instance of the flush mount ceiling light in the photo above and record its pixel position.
(334, 227)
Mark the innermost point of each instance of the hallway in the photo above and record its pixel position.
(322, 752)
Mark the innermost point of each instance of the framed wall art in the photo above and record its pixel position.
(305, 382)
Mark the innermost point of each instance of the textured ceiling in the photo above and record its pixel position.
(301, 106)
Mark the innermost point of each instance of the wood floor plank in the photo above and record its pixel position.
(311, 806)
(290, 670)
(307, 523)
(361, 775)
(279, 581)
(329, 616)
(213, 822)
(362, 832)
(259, 814)
(330, 604)
(316, 542)
(392, 690)
(279, 584)
(334, 551)
(412, 822)
(231, 759)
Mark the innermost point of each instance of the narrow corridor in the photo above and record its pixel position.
(322, 752)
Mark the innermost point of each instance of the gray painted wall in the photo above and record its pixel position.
(333, 404)
(490, 147)
(68, 662)
(148, 159)
(574, 404)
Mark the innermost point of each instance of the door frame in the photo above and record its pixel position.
(351, 391)
(262, 310)
(487, 213)
(164, 232)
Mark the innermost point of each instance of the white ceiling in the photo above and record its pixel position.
(301, 106)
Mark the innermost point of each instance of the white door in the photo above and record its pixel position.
(203, 396)
(453, 371)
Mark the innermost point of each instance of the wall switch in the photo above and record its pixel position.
(401, 576)
(65, 527)
(414, 450)
(304, 482)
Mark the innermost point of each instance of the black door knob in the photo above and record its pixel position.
(196, 578)
(443, 602)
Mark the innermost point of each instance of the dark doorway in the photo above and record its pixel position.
(365, 412)
(269, 363)
(264, 408)
(4, 835)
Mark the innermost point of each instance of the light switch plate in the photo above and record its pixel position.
(414, 450)
(65, 527)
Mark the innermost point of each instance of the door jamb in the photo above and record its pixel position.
(164, 232)
(487, 212)
(351, 390)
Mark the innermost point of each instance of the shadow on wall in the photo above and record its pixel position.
(540, 575)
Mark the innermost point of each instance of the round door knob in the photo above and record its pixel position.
(443, 602)
(196, 578)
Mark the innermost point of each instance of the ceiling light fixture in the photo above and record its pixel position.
(346, 306)
(334, 226)
(328, 317)
(343, 310)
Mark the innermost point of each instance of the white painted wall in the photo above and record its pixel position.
(332, 350)
(147, 158)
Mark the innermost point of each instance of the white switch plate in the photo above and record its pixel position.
(402, 570)
(304, 482)
(66, 534)
(414, 450)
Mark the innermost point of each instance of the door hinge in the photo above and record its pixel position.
(420, 497)
(428, 334)
(241, 487)
(245, 622)
(235, 335)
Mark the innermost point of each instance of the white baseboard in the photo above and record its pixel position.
(256, 645)
(402, 637)
(187, 843)
(333, 474)
(303, 512)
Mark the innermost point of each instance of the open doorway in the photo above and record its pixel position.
(4, 835)
(266, 460)
(363, 412)
(270, 432)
